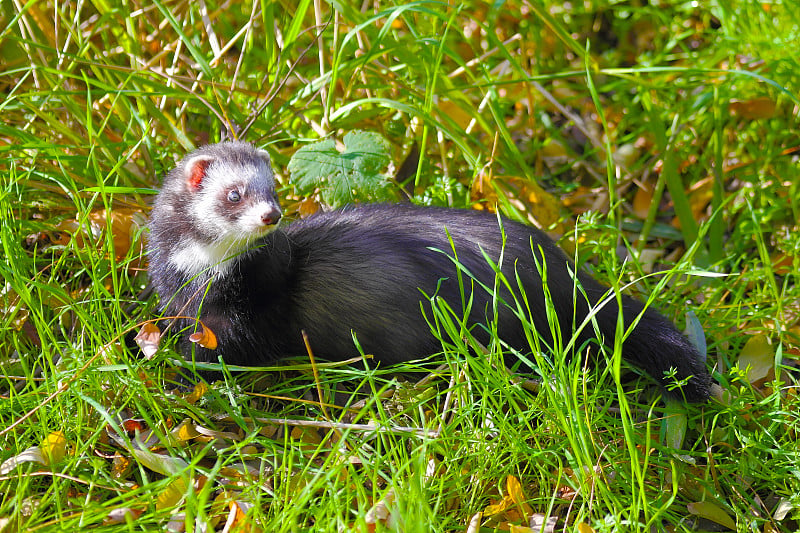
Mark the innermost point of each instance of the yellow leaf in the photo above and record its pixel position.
(498, 507)
(757, 358)
(185, 431)
(171, 495)
(712, 512)
(198, 392)
(537, 205)
(518, 496)
(120, 466)
(454, 112)
(54, 447)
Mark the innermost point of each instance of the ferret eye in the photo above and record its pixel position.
(234, 196)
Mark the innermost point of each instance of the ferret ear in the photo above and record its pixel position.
(263, 154)
(195, 170)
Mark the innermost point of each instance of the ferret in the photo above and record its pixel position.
(218, 253)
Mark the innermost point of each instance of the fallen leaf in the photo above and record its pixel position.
(133, 424)
(514, 489)
(184, 431)
(626, 155)
(125, 226)
(30, 455)
(120, 466)
(171, 495)
(163, 464)
(198, 392)
(381, 510)
(237, 519)
(474, 523)
(782, 509)
(121, 514)
(148, 339)
(51, 451)
(757, 358)
(205, 338)
(526, 196)
(713, 512)
(541, 523)
(454, 112)
(700, 195)
(755, 108)
(642, 200)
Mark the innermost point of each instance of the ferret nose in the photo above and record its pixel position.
(271, 216)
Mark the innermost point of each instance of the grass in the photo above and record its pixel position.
(668, 133)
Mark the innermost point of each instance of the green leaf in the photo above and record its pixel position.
(352, 175)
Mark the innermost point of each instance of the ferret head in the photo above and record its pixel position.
(217, 201)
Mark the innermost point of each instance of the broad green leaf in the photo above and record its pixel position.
(352, 175)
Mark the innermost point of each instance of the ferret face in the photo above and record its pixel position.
(229, 192)
(232, 198)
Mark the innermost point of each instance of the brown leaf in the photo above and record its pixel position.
(307, 207)
(121, 466)
(148, 339)
(539, 206)
(700, 195)
(205, 338)
(455, 112)
(306, 435)
(642, 200)
(381, 511)
(482, 192)
(120, 515)
(540, 523)
(133, 424)
(125, 225)
(755, 108)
